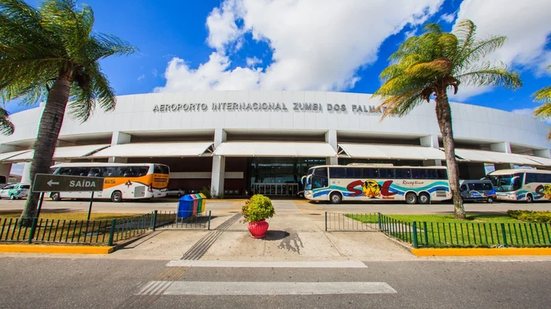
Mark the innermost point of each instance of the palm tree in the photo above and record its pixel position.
(52, 53)
(425, 66)
(544, 96)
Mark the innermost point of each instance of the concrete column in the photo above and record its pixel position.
(430, 141)
(218, 166)
(544, 153)
(5, 169)
(504, 147)
(501, 147)
(331, 139)
(26, 175)
(116, 139)
(217, 180)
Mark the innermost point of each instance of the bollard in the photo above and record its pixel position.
(208, 224)
(326, 221)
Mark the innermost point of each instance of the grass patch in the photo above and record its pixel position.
(479, 230)
(72, 228)
(440, 218)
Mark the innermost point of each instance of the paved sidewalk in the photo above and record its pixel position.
(296, 234)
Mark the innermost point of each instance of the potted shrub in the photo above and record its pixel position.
(255, 211)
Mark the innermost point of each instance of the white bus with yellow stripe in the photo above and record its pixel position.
(122, 181)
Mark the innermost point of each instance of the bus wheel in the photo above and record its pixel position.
(55, 196)
(12, 197)
(529, 198)
(335, 198)
(411, 198)
(116, 196)
(490, 200)
(424, 198)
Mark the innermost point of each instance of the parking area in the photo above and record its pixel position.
(232, 206)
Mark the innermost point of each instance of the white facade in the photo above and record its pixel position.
(216, 116)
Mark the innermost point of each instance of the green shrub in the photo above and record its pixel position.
(257, 208)
(531, 216)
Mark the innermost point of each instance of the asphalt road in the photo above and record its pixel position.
(46, 282)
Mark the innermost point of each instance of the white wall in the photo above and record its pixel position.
(134, 113)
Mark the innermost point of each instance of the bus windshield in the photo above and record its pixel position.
(506, 183)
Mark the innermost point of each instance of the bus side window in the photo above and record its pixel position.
(432, 174)
(387, 173)
(531, 177)
(403, 173)
(95, 172)
(141, 170)
(419, 173)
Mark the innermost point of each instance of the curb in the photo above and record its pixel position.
(480, 251)
(19, 248)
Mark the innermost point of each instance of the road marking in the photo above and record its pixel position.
(267, 264)
(276, 288)
(154, 288)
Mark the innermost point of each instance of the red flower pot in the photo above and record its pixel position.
(258, 229)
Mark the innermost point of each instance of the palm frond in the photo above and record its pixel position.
(490, 76)
(478, 51)
(543, 111)
(6, 126)
(543, 95)
(95, 90)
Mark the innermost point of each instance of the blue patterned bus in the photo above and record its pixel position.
(366, 182)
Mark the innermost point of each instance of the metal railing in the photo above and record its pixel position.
(200, 221)
(467, 234)
(90, 232)
(343, 222)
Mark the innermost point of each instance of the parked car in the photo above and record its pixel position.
(15, 191)
(477, 190)
(175, 192)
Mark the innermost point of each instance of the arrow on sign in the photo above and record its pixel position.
(52, 182)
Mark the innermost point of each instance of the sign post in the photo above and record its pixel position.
(63, 183)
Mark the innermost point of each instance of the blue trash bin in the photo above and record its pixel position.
(185, 206)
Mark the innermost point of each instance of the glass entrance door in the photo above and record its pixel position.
(278, 176)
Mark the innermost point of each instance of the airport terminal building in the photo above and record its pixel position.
(239, 142)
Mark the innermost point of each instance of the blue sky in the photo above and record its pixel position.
(307, 44)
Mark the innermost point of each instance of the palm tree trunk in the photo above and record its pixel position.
(48, 132)
(444, 116)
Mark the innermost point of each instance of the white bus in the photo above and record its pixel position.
(522, 184)
(122, 180)
(413, 184)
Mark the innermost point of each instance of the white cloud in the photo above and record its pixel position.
(213, 74)
(316, 44)
(449, 18)
(525, 24)
(222, 26)
(253, 61)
